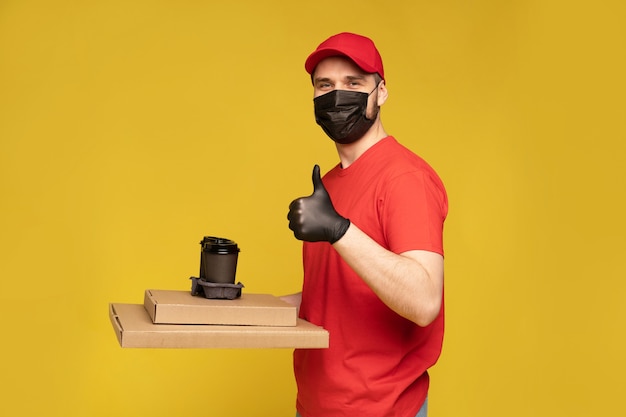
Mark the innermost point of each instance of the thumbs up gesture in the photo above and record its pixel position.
(314, 218)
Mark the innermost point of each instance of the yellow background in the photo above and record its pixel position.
(130, 129)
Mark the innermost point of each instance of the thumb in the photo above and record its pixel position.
(317, 180)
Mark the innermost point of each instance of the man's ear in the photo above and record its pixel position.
(382, 93)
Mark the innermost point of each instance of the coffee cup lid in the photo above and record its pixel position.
(219, 245)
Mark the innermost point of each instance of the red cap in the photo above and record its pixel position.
(358, 48)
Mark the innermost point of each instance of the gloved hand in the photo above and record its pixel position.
(314, 218)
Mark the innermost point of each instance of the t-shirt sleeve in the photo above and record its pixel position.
(413, 210)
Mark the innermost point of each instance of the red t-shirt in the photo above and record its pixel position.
(377, 361)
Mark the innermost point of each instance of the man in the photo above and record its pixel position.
(372, 251)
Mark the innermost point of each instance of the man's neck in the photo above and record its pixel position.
(350, 152)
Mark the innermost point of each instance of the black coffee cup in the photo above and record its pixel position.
(218, 260)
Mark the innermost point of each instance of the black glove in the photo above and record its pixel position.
(314, 218)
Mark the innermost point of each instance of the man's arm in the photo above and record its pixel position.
(293, 299)
(411, 284)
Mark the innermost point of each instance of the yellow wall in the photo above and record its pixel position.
(130, 129)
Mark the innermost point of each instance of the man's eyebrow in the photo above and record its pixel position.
(322, 80)
(355, 77)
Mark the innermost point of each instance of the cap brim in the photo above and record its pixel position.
(320, 54)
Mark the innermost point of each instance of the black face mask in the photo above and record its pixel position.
(341, 114)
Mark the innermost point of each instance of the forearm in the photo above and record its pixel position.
(293, 299)
(411, 284)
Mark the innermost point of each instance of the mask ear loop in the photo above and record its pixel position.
(377, 106)
(375, 88)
